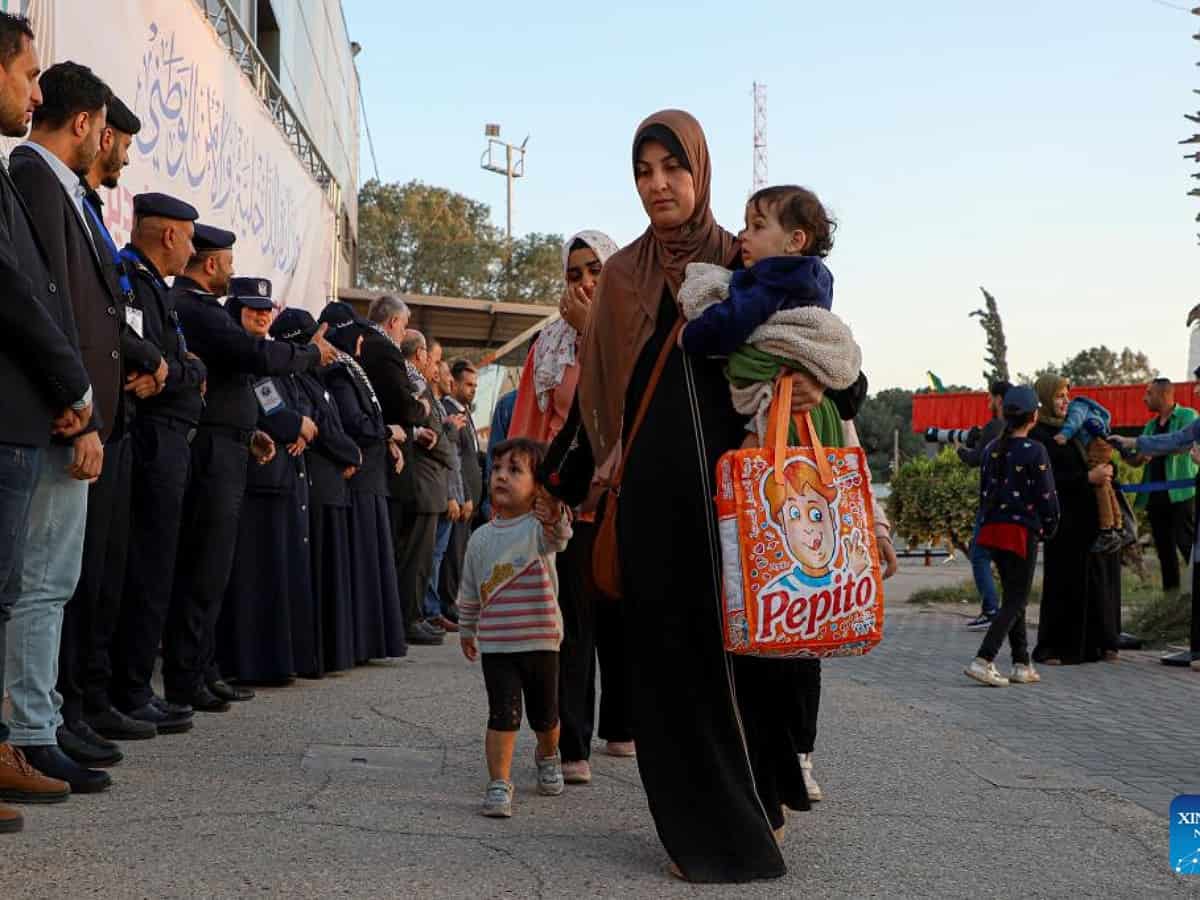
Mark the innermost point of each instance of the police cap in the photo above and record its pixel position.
(209, 238)
(121, 117)
(295, 325)
(254, 293)
(164, 206)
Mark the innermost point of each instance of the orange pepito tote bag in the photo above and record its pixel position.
(799, 556)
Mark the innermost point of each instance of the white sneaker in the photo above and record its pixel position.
(810, 783)
(550, 775)
(985, 672)
(1024, 673)
(497, 802)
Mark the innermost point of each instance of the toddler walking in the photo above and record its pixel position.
(1090, 422)
(774, 314)
(1018, 504)
(509, 615)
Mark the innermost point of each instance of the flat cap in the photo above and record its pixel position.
(164, 205)
(295, 325)
(208, 237)
(254, 293)
(121, 117)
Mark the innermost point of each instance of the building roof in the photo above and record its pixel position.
(463, 322)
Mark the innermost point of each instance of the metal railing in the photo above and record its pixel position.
(248, 58)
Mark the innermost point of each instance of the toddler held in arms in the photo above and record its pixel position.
(1090, 422)
(509, 616)
(773, 315)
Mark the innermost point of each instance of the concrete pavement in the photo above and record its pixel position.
(367, 785)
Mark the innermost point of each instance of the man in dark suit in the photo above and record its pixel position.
(48, 169)
(420, 496)
(226, 437)
(164, 240)
(46, 388)
(392, 376)
(98, 599)
(461, 402)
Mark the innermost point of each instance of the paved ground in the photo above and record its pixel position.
(366, 785)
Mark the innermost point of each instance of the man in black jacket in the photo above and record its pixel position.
(420, 496)
(46, 388)
(82, 257)
(163, 236)
(236, 362)
(48, 169)
(461, 402)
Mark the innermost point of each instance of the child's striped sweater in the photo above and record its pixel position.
(508, 597)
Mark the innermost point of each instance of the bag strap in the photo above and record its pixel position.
(655, 376)
(778, 422)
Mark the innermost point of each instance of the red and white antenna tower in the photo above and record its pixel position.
(760, 135)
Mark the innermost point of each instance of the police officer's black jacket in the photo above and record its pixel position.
(363, 421)
(333, 451)
(235, 359)
(75, 267)
(180, 397)
(41, 370)
(280, 475)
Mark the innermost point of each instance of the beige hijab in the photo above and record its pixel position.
(1045, 388)
(630, 291)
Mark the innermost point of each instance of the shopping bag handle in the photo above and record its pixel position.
(779, 418)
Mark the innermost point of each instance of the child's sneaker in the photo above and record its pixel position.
(810, 783)
(985, 672)
(1024, 673)
(497, 802)
(550, 775)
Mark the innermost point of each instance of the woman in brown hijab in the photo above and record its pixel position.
(713, 750)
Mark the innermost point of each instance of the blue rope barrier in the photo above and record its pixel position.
(1152, 486)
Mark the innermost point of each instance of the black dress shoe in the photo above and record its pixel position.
(181, 710)
(202, 700)
(83, 730)
(422, 637)
(53, 763)
(226, 691)
(117, 726)
(83, 752)
(163, 722)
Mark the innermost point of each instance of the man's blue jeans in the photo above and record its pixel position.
(433, 603)
(985, 581)
(49, 573)
(18, 475)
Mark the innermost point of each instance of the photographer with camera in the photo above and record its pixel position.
(981, 557)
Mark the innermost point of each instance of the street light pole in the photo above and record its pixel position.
(514, 167)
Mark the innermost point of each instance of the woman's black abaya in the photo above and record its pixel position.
(713, 749)
(1079, 588)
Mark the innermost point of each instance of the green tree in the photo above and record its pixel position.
(537, 271)
(879, 417)
(997, 346)
(421, 239)
(1100, 365)
(933, 501)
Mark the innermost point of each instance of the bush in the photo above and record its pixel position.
(962, 592)
(933, 501)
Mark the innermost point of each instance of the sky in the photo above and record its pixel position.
(1028, 147)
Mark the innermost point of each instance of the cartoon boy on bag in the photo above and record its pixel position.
(804, 511)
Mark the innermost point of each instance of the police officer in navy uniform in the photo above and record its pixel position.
(271, 580)
(226, 435)
(164, 240)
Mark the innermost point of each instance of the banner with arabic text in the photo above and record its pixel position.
(206, 138)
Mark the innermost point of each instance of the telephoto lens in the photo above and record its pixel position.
(965, 436)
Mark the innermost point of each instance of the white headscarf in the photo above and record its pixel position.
(554, 351)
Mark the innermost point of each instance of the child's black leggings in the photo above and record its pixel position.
(1016, 581)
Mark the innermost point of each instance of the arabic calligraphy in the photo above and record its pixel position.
(191, 134)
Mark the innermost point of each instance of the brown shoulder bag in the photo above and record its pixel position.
(606, 561)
